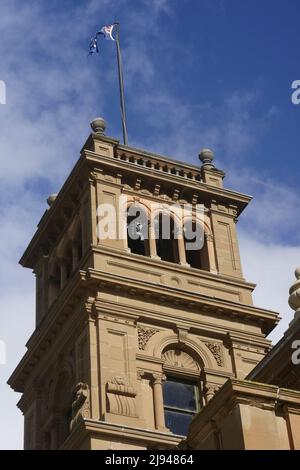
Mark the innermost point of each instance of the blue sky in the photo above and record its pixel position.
(198, 73)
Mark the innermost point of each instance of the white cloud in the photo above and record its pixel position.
(270, 217)
(271, 267)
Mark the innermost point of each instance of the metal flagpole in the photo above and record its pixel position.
(121, 85)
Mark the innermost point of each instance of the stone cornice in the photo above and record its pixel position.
(276, 367)
(201, 327)
(235, 392)
(179, 269)
(174, 294)
(48, 329)
(139, 436)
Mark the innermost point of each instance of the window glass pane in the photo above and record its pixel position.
(178, 422)
(179, 394)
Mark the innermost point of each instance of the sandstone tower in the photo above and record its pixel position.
(134, 337)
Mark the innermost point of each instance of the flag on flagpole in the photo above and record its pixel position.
(94, 44)
(106, 32)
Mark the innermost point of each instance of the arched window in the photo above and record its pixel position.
(166, 238)
(137, 230)
(182, 389)
(195, 243)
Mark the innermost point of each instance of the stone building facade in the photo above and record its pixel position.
(135, 339)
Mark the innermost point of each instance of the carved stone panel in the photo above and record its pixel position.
(216, 351)
(121, 397)
(144, 334)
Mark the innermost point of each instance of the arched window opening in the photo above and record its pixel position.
(182, 389)
(195, 243)
(137, 231)
(166, 238)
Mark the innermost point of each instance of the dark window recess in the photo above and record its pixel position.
(181, 403)
(196, 249)
(166, 239)
(137, 233)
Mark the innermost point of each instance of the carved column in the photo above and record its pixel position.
(158, 401)
(152, 241)
(211, 253)
(209, 393)
(181, 248)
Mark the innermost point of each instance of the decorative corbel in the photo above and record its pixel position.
(195, 199)
(182, 335)
(137, 184)
(176, 193)
(156, 190)
(81, 403)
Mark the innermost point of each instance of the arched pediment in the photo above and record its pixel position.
(162, 341)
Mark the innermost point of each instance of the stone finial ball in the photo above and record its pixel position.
(206, 156)
(297, 273)
(98, 125)
(51, 199)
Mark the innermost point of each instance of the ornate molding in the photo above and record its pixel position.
(208, 237)
(140, 373)
(144, 334)
(210, 391)
(81, 403)
(182, 335)
(158, 378)
(120, 385)
(216, 351)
